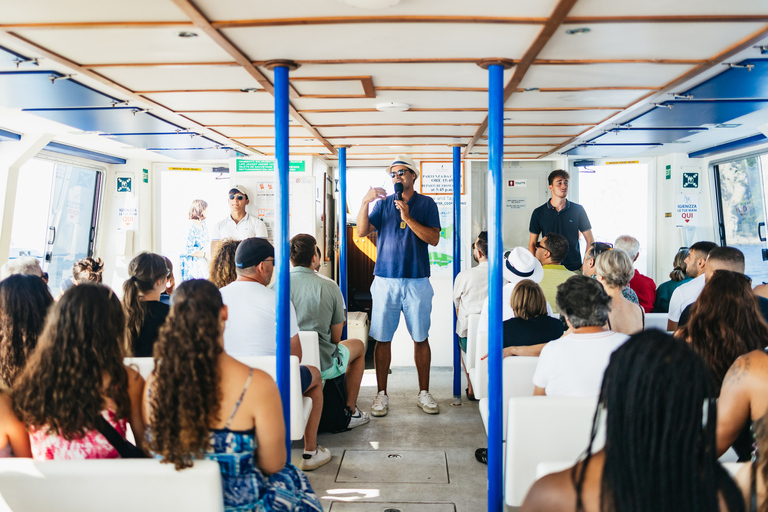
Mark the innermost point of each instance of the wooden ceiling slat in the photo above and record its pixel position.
(688, 18)
(347, 20)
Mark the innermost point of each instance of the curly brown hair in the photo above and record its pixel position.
(77, 367)
(145, 270)
(24, 302)
(185, 395)
(725, 322)
(223, 264)
(88, 269)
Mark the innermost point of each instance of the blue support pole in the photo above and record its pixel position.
(343, 230)
(456, 267)
(495, 280)
(282, 250)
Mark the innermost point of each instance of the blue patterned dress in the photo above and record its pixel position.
(197, 240)
(245, 487)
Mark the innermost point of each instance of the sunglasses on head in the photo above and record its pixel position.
(239, 197)
(398, 172)
(599, 248)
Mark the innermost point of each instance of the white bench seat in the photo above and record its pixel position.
(517, 381)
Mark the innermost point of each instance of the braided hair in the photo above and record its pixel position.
(660, 432)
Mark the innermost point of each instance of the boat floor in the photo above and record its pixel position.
(408, 460)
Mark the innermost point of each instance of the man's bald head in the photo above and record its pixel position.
(724, 258)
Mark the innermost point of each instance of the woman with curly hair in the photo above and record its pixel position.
(76, 381)
(223, 264)
(88, 270)
(659, 454)
(202, 403)
(24, 302)
(144, 312)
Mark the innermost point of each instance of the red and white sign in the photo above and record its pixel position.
(687, 210)
(517, 183)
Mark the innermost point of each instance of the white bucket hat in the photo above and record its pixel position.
(404, 160)
(520, 264)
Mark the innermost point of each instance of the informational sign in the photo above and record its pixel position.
(300, 195)
(623, 162)
(436, 178)
(251, 165)
(441, 256)
(194, 169)
(145, 175)
(515, 203)
(517, 183)
(690, 180)
(124, 184)
(687, 210)
(668, 173)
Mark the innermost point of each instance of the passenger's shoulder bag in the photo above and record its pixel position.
(124, 448)
(336, 415)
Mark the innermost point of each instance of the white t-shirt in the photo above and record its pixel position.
(683, 296)
(248, 227)
(251, 325)
(469, 291)
(574, 364)
(506, 308)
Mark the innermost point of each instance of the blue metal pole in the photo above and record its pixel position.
(495, 280)
(343, 230)
(282, 250)
(456, 266)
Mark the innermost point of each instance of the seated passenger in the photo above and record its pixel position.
(724, 258)
(26, 265)
(688, 293)
(170, 285)
(743, 399)
(642, 285)
(588, 268)
(14, 438)
(550, 252)
(573, 365)
(144, 313)
(470, 289)
(251, 330)
(725, 324)
(88, 270)
(75, 384)
(24, 303)
(531, 328)
(659, 440)
(320, 308)
(202, 403)
(676, 278)
(752, 476)
(223, 269)
(614, 270)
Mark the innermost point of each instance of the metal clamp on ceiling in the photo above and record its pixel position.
(53, 78)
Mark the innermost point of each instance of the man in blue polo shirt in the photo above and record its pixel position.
(401, 276)
(561, 216)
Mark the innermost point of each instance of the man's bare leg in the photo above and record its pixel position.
(355, 369)
(382, 358)
(422, 354)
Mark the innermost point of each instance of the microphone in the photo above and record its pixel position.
(399, 191)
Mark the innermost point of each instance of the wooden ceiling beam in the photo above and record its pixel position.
(554, 21)
(347, 20)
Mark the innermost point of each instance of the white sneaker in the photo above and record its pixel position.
(358, 418)
(427, 403)
(380, 405)
(310, 462)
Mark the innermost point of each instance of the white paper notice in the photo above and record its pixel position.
(515, 203)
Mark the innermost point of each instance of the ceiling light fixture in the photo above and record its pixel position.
(184, 34)
(531, 89)
(392, 106)
(576, 31)
(249, 89)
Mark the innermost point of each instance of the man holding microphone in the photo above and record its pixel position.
(406, 222)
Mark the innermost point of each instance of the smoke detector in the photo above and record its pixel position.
(392, 106)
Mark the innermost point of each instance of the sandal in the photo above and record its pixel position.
(470, 396)
(481, 454)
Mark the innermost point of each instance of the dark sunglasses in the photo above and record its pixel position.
(238, 196)
(398, 172)
(45, 276)
(539, 246)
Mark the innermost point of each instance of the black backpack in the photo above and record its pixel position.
(336, 415)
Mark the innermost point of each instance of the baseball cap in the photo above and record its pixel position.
(239, 188)
(253, 251)
(404, 160)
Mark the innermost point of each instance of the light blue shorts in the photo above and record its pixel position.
(339, 366)
(391, 296)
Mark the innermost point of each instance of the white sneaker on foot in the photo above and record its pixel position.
(380, 405)
(427, 403)
(310, 462)
(358, 418)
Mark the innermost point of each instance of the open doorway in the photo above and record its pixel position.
(615, 197)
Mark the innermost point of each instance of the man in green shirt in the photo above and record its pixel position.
(320, 308)
(550, 252)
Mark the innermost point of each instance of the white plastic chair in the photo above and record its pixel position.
(517, 381)
(656, 321)
(541, 429)
(120, 485)
(469, 356)
(144, 365)
(479, 374)
(310, 348)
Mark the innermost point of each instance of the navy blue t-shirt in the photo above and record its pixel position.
(567, 222)
(401, 253)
